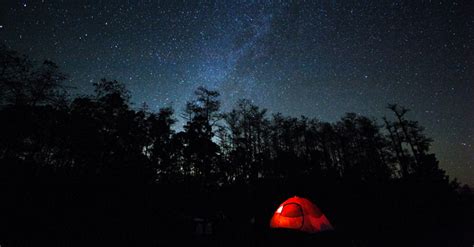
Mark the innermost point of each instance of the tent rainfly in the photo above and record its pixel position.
(300, 214)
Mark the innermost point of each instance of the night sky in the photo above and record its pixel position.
(316, 58)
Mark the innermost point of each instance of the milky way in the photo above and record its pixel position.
(316, 58)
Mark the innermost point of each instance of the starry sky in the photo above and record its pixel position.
(315, 58)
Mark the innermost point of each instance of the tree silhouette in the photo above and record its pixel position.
(200, 153)
(415, 162)
(248, 129)
(22, 83)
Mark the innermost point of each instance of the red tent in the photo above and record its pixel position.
(300, 214)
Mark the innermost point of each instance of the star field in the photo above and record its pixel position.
(316, 58)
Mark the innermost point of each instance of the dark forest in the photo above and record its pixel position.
(99, 170)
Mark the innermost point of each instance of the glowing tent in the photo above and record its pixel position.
(300, 214)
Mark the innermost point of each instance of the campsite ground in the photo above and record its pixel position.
(76, 215)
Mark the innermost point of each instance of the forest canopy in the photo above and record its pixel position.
(101, 138)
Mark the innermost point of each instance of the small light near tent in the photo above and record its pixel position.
(300, 214)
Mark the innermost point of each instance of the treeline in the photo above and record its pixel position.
(46, 135)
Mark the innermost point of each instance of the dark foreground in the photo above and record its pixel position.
(113, 215)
